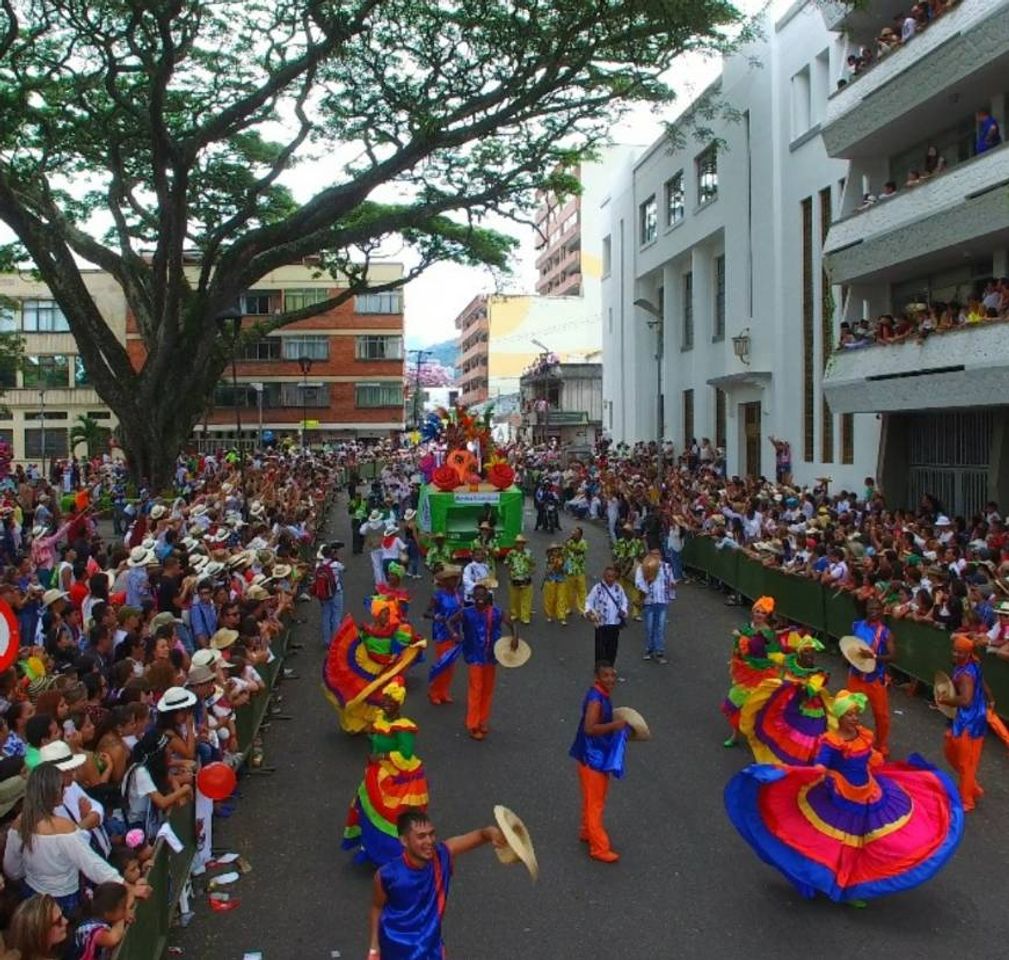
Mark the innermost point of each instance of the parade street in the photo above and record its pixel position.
(686, 885)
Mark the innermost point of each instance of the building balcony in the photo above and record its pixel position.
(56, 398)
(857, 20)
(962, 55)
(964, 208)
(961, 368)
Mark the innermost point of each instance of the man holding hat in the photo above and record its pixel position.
(438, 555)
(520, 563)
(965, 736)
(883, 649)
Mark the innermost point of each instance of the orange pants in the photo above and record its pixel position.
(879, 702)
(594, 787)
(439, 690)
(963, 754)
(479, 697)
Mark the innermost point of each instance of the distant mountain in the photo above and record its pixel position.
(444, 352)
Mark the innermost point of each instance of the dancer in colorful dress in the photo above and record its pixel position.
(784, 718)
(392, 589)
(360, 662)
(393, 783)
(445, 604)
(756, 656)
(873, 684)
(851, 826)
(965, 736)
(599, 748)
(411, 892)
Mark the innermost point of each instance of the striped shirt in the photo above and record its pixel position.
(661, 590)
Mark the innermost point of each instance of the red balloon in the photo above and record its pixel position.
(217, 781)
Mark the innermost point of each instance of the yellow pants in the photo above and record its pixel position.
(633, 596)
(555, 600)
(520, 600)
(575, 585)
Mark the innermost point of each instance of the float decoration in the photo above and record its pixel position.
(468, 457)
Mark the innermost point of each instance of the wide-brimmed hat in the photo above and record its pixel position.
(197, 510)
(199, 673)
(447, 572)
(851, 647)
(256, 592)
(51, 596)
(265, 556)
(176, 698)
(520, 843)
(375, 516)
(507, 657)
(163, 619)
(39, 530)
(256, 509)
(240, 559)
(222, 535)
(223, 638)
(61, 756)
(942, 686)
(281, 571)
(140, 557)
(489, 582)
(1002, 607)
(409, 515)
(158, 511)
(637, 723)
(212, 569)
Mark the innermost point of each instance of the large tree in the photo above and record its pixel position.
(159, 139)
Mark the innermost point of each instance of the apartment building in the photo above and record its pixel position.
(718, 317)
(942, 399)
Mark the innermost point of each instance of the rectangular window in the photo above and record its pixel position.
(688, 312)
(801, 99)
(847, 438)
(707, 175)
(56, 442)
(826, 330)
(225, 395)
(378, 348)
(389, 302)
(100, 414)
(383, 394)
(266, 348)
(688, 416)
(808, 405)
(81, 378)
(720, 418)
(607, 255)
(49, 415)
(301, 298)
(648, 214)
(43, 316)
(51, 370)
(8, 320)
(675, 200)
(257, 303)
(719, 332)
(304, 395)
(315, 348)
(8, 372)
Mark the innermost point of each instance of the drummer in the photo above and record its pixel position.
(872, 679)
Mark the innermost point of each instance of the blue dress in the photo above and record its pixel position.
(446, 603)
(876, 638)
(604, 753)
(973, 718)
(480, 630)
(409, 927)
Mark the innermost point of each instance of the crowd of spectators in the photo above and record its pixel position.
(136, 650)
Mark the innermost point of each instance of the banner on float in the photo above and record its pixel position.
(478, 497)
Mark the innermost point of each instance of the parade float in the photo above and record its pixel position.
(467, 481)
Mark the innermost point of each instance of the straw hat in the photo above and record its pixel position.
(223, 639)
(639, 728)
(139, 557)
(519, 538)
(60, 754)
(51, 596)
(281, 571)
(520, 844)
(942, 686)
(512, 658)
(158, 511)
(489, 582)
(650, 567)
(448, 571)
(851, 647)
(176, 698)
(256, 592)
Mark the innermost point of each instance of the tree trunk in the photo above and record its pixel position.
(151, 451)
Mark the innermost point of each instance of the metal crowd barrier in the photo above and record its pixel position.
(922, 649)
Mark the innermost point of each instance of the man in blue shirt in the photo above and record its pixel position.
(203, 615)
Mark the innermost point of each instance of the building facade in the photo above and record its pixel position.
(562, 403)
(936, 245)
(43, 400)
(718, 317)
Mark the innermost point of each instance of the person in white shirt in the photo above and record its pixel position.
(371, 531)
(393, 548)
(606, 606)
(837, 571)
(474, 571)
(654, 578)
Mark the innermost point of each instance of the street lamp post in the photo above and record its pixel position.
(233, 317)
(657, 324)
(259, 387)
(306, 365)
(42, 426)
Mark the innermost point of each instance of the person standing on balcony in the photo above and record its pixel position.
(782, 460)
(988, 133)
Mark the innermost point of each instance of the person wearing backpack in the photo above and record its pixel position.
(104, 923)
(328, 589)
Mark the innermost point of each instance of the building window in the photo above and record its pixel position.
(826, 330)
(315, 348)
(688, 311)
(56, 442)
(688, 417)
(225, 395)
(8, 372)
(808, 404)
(379, 348)
(720, 419)
(257, 303)
(8, 320)
(385, 394)
(707, 175)
(847, 438)
(719, 333)
(81, 378)
(675, 200)
(266, 348)
(648, 214)
(43, 316)
(100, 414)
(49, 415)
(307, 297)
(304, 395)
(801, 100)
(52, 370)
(389, 302)
(607, 255)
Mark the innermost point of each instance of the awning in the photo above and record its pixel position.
(748, 378)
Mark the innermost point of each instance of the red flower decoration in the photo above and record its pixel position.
(500, 475)
(445, 478)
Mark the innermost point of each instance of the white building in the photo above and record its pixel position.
(720, 238)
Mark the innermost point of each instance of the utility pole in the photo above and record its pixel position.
(416, 387)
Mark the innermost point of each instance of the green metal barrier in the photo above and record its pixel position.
(795, 598)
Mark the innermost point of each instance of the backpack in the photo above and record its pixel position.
(324, 584)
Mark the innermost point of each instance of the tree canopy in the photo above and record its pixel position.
(161, 141)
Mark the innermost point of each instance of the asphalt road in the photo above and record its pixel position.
(686, 886)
